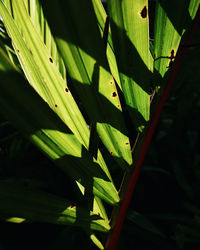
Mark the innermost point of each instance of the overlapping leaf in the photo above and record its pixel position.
(19, 203)
(51, 117)
(36, 14)
(45, 129)
(41, 25)
(41, 71)
(103, 22)
(130, 35)
(81, 46)
(172, 17)
(51, 136)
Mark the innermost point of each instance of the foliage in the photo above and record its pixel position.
(82, 100)
(167, 193)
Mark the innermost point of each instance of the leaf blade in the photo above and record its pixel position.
(168, 21)
(52, 136)
(34, 205)
(130, 37)
(87, 65)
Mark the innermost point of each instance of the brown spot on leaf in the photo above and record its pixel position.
(30, 52)
(50, 59)
(171, 57)
(143, 12)
(56, 105)
(67, 90)
(127, 143)
(111, 153)
(17, 50)
(114, 94)
(71, 206)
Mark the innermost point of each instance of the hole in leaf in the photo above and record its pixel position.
(114, 94)
(50, 59)
(67, 90)
(143, 13)
(56, 105)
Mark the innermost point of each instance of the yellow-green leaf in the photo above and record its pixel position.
(172, 19)
(19, 203)
(130, 36)
(85, 60)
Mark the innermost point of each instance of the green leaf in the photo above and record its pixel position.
(41, 71)
(50, 85)
(52, 136)
(193, 8)
(42, 27)
(170, 26)
(130, 35)
(102, 18)
(96, 241)
(86, 62)
(4, 60)
(19, 203)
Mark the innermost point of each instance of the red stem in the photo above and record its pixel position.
(114, 237)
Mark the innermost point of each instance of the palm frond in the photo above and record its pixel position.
(129, 28)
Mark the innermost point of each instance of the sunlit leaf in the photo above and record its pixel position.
(19, 203)
(172, 17)
(86, 62)
(129, 28)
